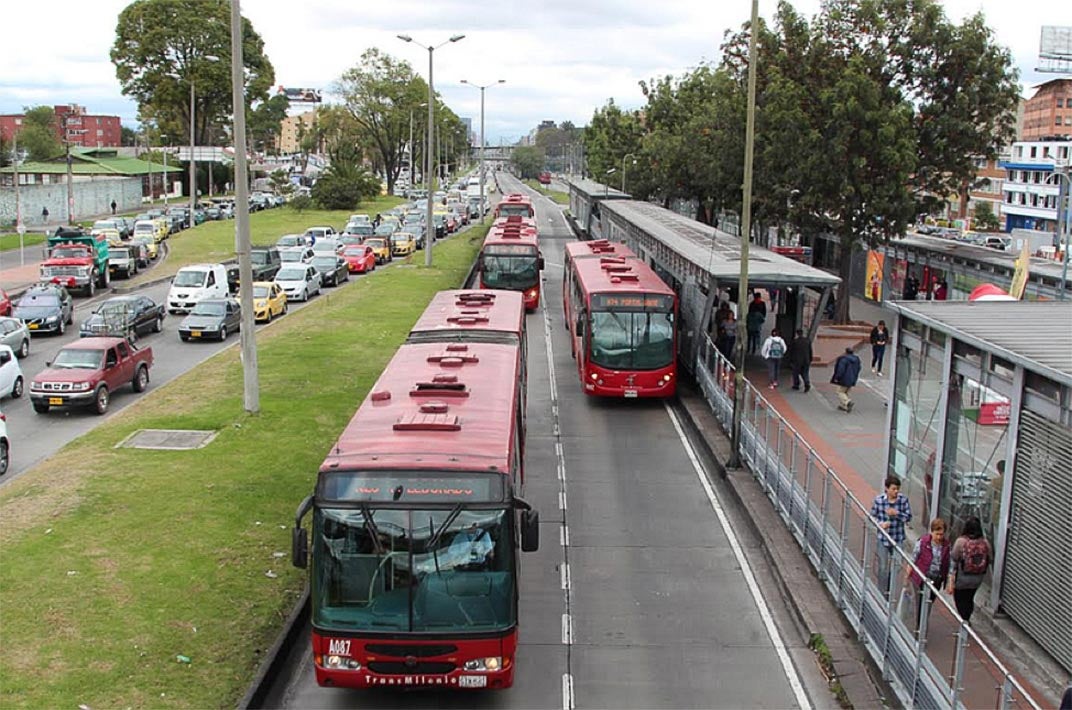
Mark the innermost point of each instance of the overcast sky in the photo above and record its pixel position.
(561, 59)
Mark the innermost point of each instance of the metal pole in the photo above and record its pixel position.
(412, 154)
(428, 224)
(19, 226)
(70, 173)
(193, 166)
(1062, 216)
(482, 154)
(165, 181)
(746, 209)
(250, 387)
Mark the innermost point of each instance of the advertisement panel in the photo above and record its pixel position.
(875, 262)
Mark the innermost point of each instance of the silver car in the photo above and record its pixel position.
(15, 334)
(298, 281)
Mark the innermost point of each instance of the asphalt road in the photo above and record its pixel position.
(35, 437)
(647, 591)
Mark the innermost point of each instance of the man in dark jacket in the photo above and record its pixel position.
(800, 360)
(846, 372)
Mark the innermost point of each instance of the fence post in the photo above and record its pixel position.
(778, 469)
(825, 507)
(844, 549)
(807, 500)
(958, 665)
(795, 529)
(1006, 692)
(864, 579)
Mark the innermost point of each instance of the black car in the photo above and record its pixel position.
(45, 308)
(333, 269)
(124, 317)
(212, 318)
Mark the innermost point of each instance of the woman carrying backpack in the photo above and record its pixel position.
(773, 351)
(971, 558)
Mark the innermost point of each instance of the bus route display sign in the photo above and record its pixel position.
(632, 302)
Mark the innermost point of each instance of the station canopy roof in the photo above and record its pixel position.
(597, 190)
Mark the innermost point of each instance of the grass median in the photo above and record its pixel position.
(9, 242)
(557, 196)
(138, 578)
(214, 241)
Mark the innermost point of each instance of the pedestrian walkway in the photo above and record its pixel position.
(853, 445)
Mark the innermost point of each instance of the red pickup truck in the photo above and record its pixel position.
(86, 372)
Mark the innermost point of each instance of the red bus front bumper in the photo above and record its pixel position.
(599, 382)
(413, 664)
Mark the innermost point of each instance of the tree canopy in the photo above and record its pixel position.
(162, 46)
(38, 138)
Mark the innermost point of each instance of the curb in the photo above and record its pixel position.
(276, 656)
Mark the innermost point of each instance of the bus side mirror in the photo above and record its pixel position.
(539, 263)
(299, 548)
(580, 326)
(480, 263)
(530, 531)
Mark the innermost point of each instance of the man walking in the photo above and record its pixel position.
(773, 351)
(846, 372)
(800, 361)
(113, 206)
(892, 512)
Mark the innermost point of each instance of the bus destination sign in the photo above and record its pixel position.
(632, 302)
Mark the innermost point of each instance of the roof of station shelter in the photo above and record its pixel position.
(715, 251)
(597, 190)
(93, 161)
(1034, 334)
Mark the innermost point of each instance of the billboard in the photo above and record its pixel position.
(311, 96)
(1055, 50)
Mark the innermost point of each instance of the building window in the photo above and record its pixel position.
(1034, 151)
(1059, 103)
(1019, 152)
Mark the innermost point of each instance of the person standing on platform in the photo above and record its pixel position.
(800, 360)
(846, 372)
(773, 351)
(911, 287)
(972, 557)
(727, 335)
(892, 512)
(931, 556)
(757, 316)
(880, 337)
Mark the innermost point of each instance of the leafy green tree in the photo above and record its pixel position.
(161, 46)
(127, 136)
(611, 135)
(381, 93)
(281, 183)
(38, 136)
(7, 152)
(300, 203)
(527, 161)
(985, 219)
(265, 122)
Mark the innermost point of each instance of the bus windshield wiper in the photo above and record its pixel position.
(370, 525)
(450, 519)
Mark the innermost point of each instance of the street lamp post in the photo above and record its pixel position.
(482, 178)
(429, 225)
(627, 155)
(164, 182)
(193, 163)
(606, 183)
(1064, 213)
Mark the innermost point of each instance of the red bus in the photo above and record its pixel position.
(510, 259)
(607, 251)
(417, 526)
(622, 322)
(515, 204)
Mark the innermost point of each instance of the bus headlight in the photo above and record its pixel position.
(666, 378)
(491, 663)
(594, 376)
(341, 663)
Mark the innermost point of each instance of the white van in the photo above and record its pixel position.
(193, 284)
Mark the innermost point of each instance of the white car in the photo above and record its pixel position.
(299, 281)
(5, 445)
(296, 255)
(315, 233)
(360, 218)
(11, 381)
(327, 245)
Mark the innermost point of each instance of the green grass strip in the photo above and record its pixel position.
(121, 564)
(9, 242)
(556, 196)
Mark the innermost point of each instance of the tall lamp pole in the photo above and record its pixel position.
(746, 231)
(164, 182)
(482, 89)
(193, 163)
(429, 225)
(624, 157)
(250, 385)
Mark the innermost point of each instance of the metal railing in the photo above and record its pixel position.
(927, 653)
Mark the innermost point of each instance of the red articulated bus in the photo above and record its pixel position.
(515, 204)
(510, 259)
(417, 525)
(622, 322)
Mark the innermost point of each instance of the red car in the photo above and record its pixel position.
(359, 258)
(5, 303)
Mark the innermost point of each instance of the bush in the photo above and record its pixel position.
(344, 189)
(300, 203)
(985, 219)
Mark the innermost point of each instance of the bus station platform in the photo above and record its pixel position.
(852, 444)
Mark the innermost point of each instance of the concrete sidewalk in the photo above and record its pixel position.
(853, 445)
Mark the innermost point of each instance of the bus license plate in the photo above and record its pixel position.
(472, 681)
(630, 394)
(195, 333)
(56, 401)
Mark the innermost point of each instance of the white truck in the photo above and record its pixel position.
(197, 282)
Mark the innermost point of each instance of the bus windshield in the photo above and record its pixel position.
(441, 570)
(510, 267)
(632, 340)
(512, 210)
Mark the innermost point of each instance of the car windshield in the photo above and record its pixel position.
(259, 257)
(78, 359)
(190, 278)
(385, 230)
(291, 255)
(209, 308)
(632, 340)
(512, 267)
(260, 292)
(288, 241)
(401, 237)
(39, 300)
(354, 251)
(375, 243)
(68, 252)
(290, 275)
(441, 570)
(105, 224)
(112, 308)
(121, 252)
(325, 263)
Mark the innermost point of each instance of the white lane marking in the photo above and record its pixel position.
(562, 500)
(564, 569)
(567, 691)
(563, 536)
(790, 671)
(567, 629)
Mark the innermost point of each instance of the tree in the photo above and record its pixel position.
(266, 120)
(527, 161)
(281, 184)
(300, 203)
(985, 219)
(380, 94)
(127, 136)
(38, 135)
(609, 136)
(161, 46)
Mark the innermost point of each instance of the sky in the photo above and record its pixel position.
(561, 59)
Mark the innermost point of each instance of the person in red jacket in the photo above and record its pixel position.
(931, 555)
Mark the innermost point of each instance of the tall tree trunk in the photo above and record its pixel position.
(844, 300)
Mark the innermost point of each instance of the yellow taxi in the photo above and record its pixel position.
(403, 244)
(155, 228)
(111, 235)
(381, 247)
(269, 301)
(151, 245)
